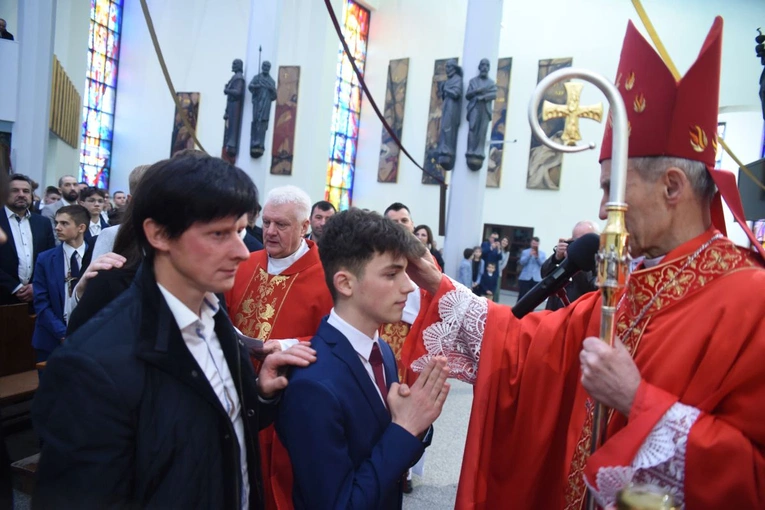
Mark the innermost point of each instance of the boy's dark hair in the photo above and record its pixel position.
(323, 205)
(351, 238)
(396, 206)
(52, 189)
(88, 192)
(468, 252)
(21, 177)
(78, 213)
(190, 188)
(535, 239)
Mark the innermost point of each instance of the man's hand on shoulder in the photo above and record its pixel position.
(415, 408)
(105, 262)
(273, 374)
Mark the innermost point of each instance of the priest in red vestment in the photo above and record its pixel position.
(280, 294)
(685, 383)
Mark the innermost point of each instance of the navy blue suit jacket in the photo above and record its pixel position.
(49, 300)
(42, 240)
(344, 449)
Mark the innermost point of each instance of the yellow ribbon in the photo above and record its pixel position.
(668, 61)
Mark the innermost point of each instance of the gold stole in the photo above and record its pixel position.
(262, 302)
(394, 335)
(672, 284)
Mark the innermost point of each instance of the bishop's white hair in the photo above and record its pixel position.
(294, 196)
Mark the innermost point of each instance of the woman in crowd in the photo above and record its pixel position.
(425, 235)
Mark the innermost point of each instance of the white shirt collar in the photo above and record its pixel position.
(184, 316)
(278, 266)
(11, 214)
(68, 250)
(360, 342)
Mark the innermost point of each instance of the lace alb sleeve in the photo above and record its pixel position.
(659, 462)
(458, 334)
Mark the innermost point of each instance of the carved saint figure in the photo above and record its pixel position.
(263, 90)
(234, 91)
(481, 92)
(451, 94)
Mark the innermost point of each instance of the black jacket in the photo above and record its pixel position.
(128, 420)
(579, 285)
(42, 240)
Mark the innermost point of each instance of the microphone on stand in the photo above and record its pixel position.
(580, 257)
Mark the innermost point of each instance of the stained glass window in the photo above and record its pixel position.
(100, 91)
(345, 118)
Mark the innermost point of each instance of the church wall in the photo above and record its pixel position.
(199, 39)
(423, 31)
(70, 47)
(9, 11)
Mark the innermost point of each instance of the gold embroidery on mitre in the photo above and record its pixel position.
(714, 144)
(629, 129)
(698, 139)
(618, 81)
(639, 103)
(630, 81)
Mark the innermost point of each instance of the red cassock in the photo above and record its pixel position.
(695, 326)
(288, 305)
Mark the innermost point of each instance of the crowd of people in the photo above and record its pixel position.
(308, 373)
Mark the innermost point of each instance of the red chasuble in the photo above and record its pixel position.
(277, 307)
(695, 325)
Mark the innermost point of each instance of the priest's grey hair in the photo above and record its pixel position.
(651, 168)
(294, 196)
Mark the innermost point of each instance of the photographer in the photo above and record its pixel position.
(582, 282)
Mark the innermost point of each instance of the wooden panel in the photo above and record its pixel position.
(434, 123)
(395, 99)
(498, 119)
(544, 163)
(16, 328)
(181, 138)
(64, 116)
(285, 120)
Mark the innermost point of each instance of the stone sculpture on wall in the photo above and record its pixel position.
(234, 91)
(481, 92)
(451, 95)
(263, 90)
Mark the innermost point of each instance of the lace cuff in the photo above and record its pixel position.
(660, 460)
(459, 333)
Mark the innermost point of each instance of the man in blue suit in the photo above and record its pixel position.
(28, 236)
(350, 429)
(56, 274)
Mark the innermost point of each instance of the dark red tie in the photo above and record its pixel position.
(376, 360)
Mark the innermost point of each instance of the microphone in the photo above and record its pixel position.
(580, 257)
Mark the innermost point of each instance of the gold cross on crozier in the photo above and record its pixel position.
(572, 112)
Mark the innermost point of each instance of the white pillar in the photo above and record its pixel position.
(464, 220)
(35, 35)
(265, 21)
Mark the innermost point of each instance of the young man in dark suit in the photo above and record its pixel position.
(365, 429)
(56, 274)
(153, 403)
(28, 236)
(94, 200)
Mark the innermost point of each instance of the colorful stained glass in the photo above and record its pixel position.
(345, 119)
(100, 91)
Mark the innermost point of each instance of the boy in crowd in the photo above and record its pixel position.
(363, 424)
(488, 281)
(56, 273)
(94, 200)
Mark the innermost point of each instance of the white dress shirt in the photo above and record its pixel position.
(361, 343)
(95, 228)
(278, 266)
(22, 238)
(199, 335)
